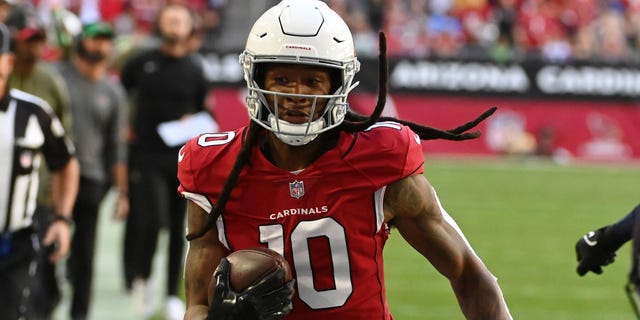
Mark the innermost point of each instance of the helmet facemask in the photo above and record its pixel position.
(300, 32)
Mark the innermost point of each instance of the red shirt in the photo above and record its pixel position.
(326, 220)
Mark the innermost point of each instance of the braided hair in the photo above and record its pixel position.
(353, 122)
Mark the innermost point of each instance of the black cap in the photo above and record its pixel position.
(5, 39)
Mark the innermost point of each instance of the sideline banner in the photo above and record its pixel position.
(584, 129)
(601, 130)
(529, 79)
(478, 78)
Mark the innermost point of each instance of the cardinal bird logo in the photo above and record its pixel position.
(296, 189)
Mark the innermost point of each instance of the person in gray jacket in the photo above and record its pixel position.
(98, 105)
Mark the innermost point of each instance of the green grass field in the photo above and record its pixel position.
(522, 218)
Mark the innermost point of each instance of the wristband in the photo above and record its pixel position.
(66, 219)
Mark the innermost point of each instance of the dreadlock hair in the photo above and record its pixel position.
(353, 122)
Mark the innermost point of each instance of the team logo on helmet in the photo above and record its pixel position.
(296, 189)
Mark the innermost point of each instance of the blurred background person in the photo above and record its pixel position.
(30, 130)
(99, 107)
(5, 9)
(165, 84)
(32, 75)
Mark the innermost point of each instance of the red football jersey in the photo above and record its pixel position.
(327, 220)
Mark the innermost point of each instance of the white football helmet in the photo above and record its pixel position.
(304, 32)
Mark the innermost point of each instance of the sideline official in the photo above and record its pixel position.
(29, 131)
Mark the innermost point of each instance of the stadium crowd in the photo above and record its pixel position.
(500, 30)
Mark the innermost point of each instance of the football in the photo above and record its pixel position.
(250, 266)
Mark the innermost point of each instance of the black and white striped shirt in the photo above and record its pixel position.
(29, 130)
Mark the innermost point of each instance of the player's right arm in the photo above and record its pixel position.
(203, 257)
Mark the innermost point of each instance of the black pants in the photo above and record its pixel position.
(83, 243)
(154, 204)
(17, 269)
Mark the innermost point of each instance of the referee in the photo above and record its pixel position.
(29, 131)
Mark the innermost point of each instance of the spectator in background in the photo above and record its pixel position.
(165, 84)
(405, 27)
(611, 36)
(29, 130)
(445, 35)
(98, 105)
(632, 26)
(5, 9)
(33, 76)
(364, 37)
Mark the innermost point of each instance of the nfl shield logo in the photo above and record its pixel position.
(296, 189)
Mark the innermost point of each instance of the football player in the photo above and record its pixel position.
(317, 183)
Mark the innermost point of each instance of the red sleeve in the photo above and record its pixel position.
(414, 154)
(387, 152)
(185, 169)
(204, 163)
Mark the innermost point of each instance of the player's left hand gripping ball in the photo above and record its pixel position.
(251, 284)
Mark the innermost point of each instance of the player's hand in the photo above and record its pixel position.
(258, 301)
(226, 304)
(591, 254)
(271, 304)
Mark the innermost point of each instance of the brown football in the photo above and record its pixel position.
(249, 266)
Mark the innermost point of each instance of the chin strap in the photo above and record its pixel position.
(295, 134)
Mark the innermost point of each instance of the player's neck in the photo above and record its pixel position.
(293, 158)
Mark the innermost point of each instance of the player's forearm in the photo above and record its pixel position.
(196, 312)
(199, 267)
(615, 235)
(196, 290)
(480, 297)
(65, 184)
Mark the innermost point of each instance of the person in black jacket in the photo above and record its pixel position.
(165, 84)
